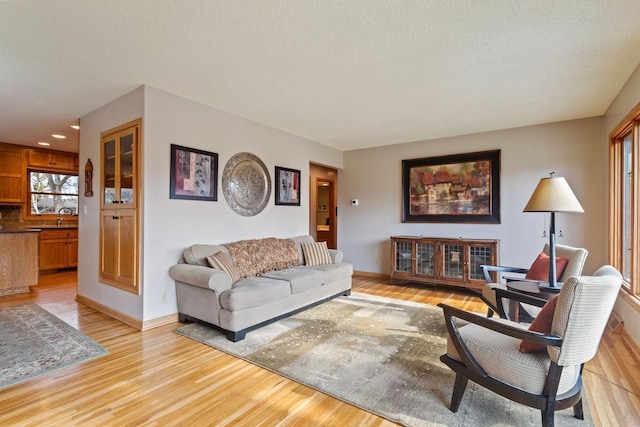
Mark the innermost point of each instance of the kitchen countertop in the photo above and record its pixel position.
(7, 230)
(53, 227)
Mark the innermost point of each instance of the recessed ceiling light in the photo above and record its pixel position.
(58, 136)
(76, 127)
(44, 143)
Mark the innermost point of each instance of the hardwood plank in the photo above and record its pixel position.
(158, 378)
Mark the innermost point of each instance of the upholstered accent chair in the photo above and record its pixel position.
(487, 350)
(576, 258)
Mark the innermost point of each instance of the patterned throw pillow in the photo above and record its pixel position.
(316, 253)
(221, 261)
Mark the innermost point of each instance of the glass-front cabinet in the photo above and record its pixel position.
(455, 262)
(119, 216)
(119, 172)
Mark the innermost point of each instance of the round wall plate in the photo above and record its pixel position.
(246, 184)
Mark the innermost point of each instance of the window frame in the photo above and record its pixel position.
(28, 214)
(629, 126)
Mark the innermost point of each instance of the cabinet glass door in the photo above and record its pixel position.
(453, 261)
(479, 255)
(402, 256)
(425, 258)
(109, 172)
(127, 172)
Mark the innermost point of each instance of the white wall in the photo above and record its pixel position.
(170, 225)
(122, 110)
(572, 149)
(626, 100)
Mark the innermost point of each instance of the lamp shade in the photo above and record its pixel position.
(553, 194)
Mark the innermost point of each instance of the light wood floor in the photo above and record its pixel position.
(159, 378)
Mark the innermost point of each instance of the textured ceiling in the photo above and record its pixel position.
(348, 74)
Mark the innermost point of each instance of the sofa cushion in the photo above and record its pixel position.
(316, 253)
(254, 257)
(223, 262)
(300, 279)
(332, 272)
(253, 292)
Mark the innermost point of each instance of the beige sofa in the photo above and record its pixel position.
(274, 279)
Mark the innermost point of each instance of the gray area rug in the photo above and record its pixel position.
(34, 342)
(379, 354)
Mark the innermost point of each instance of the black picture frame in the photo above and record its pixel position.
(194, 174)
(287, 186)
(453, 188)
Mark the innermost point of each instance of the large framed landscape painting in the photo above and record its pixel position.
(194, 174)
(453, 188)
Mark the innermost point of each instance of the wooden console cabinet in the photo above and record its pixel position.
(453, 262)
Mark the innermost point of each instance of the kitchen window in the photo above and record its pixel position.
(52, 193)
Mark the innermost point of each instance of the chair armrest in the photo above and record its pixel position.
(201, 276)
(487, 269)
(515, 296)
(451, 313)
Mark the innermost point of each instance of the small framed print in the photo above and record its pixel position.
(287, 186)
(194, 174)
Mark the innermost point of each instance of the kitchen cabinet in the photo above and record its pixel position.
(12, 175)
(19, 261)
(119, 188)
(120, 168)
(119, 248)
(452, 262)
(53, 160)
(58, 248)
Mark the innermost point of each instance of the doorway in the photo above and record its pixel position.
(323, 211)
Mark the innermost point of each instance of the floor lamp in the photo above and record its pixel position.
(553, 194)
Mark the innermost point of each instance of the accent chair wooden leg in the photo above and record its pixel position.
(459, 387)
(489, 312)
(548, 416)
(577, 410)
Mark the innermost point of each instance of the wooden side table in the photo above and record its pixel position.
(532, 288)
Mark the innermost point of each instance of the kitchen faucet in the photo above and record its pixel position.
(60, 217)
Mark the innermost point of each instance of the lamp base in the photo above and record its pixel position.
(546, 287)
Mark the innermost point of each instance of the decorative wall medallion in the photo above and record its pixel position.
(246, 184)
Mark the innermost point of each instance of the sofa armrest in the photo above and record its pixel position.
(201, 276)
(336, 255)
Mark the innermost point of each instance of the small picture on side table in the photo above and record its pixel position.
(194, 174)
(287, 183)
